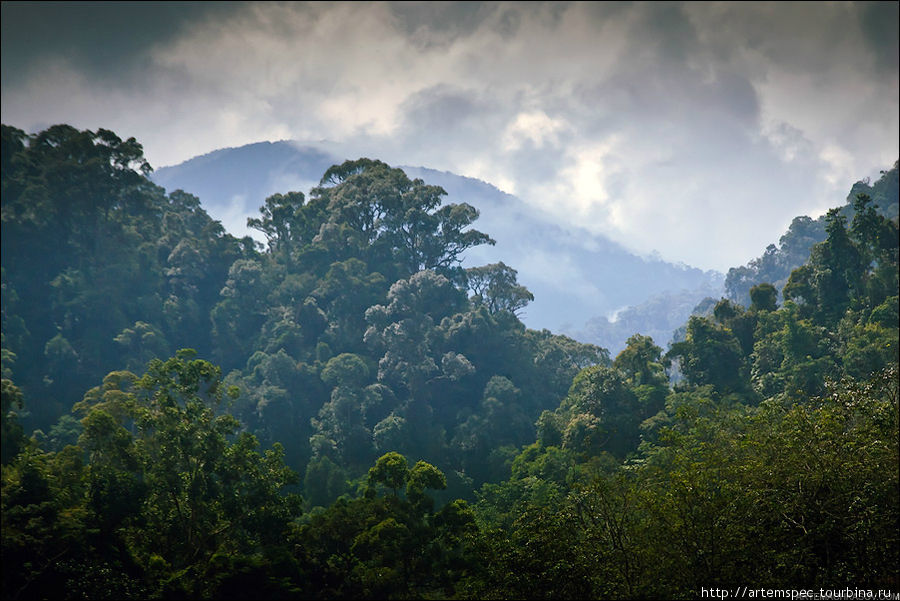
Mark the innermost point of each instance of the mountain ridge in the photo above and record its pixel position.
(576, 277)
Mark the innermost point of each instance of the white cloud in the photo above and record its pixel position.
(534, 127)
(587, 176)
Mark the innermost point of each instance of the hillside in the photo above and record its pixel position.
(777, 262)
(577, 278)
(181, 386)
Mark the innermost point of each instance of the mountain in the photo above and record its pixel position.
(777, 262)
(579, 280)
(233, 183)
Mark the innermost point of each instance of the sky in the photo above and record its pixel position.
(690, 131)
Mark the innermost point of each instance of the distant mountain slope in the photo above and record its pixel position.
(233, 183)
(576, 277)
(777, 262)
(660, 317)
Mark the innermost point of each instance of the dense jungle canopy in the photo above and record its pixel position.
(346, 412)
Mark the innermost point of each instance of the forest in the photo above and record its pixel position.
(347, 412)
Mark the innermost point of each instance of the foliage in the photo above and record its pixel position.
(777, 262)
(761, 448)
(801, 493)
(168, 488)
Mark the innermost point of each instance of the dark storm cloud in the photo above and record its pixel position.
(106, 40)
(442, 109)
(666, 28)
(735, 92)
(879, 24)
(432, 22)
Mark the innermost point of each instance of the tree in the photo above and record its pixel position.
(404, 331)
(238, 317)
(169, 473)
(710, 355)
(396, 221)
(287, 223)
(877, 240)
(346, 291)
(495, 286)
(387, 546)
(391, 470)
(825, 286)
(763, 297)
(93, 248)
(13, 436)
(603, 413)
(641, 361)
(423, 475)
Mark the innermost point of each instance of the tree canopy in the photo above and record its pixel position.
(364, 418)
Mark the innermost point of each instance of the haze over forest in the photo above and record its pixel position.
(449, 300)
(581, 281)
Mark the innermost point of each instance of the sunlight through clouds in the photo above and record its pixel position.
(534, 127)
(586, 178)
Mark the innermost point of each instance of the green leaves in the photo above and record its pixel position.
(495, 286)
(387, 546)
(346, 369)
(351, 336)
(393, 219)
(711, 355)
(803, 493)
(423, 475)
(286, 223)
(391, 470)
(168, 474)
(13, 437)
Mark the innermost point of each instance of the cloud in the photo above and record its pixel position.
(535, 128)
(669, 127)
(107, 42)
(878, 22)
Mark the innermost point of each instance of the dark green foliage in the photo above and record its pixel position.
(852, 271)
(361, 286)
(101, 270)
(366, 267)
(711, 354)
(356, 356)
(13, 436)
(777, 262)
(884, 192)
(772, 462)
(387, 546)
(377, 213)
(805, 476)
(495, 286)
(801, 494)
(161, 490)
(763, 297)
